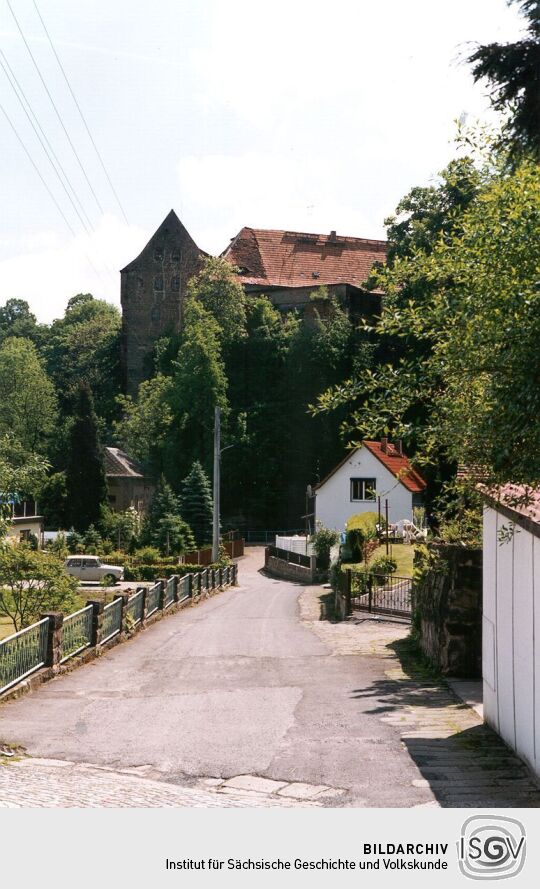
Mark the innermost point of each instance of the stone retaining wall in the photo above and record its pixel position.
(289, 571)
(448, 608)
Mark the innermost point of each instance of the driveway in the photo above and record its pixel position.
(252, 683)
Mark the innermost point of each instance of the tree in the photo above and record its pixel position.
(33, 582)
(198, 385)
(476, 371)
(16, 319)
(21, 473)
(145, 423)
(164, 526)
(85, 345)
(53, 499)
(196, 504)
(27, 398)
(222, 295)
(85, 473)
(513, 73)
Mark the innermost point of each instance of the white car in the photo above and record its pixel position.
(91, 568)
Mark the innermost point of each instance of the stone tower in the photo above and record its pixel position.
(153, 289)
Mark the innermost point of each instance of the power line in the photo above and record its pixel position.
(59, 116)
(81, 114)
(50, 193)
(35, 124)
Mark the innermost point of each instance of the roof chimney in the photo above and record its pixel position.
(384, 445)
(399, 447)
(333, 237)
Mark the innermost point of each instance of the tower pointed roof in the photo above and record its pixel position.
(171, 230)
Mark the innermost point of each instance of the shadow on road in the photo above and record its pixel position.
(464, 764)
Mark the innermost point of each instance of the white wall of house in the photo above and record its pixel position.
(333, 505)
(511, 635)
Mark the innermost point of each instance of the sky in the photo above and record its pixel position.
(296, 114)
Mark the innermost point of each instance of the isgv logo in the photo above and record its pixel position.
(491, 848)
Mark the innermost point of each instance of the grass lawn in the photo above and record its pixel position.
(403, 553)
(6, 627)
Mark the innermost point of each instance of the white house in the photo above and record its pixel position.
(372, 471)
(511, 619)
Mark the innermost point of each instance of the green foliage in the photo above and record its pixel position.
(164, 526)
(53, 499)
(145, 423)
(122, 529)
(32, 582)
(85, 473)
(85, 345)
(323, 540)
(383, 565)
(221, 294)
(465, 387)
(197, 505)
(17, 320)
(27, 399)
(365, 522)
(198, 385)
(149, 555)
(512, 71)
(59, 547)
(74, 541)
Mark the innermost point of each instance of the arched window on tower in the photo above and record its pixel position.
(158, 282)
(175, 283)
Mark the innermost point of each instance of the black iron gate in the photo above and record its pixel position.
(380, 594)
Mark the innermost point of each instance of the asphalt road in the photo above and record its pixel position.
(238, 685)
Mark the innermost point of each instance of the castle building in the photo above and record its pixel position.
(286, 266)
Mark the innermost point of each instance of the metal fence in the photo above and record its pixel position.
(135, 607)
(23, 653)
(170, 590)
(112, 620)
(152, 599)
(77, 632)
(381, 593)
(45, 644)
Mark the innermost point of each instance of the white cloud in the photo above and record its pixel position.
(47, 268)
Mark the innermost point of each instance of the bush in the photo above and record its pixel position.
(361, 536)
(383, 565)
(161, 570)
(32, 582)
(323, 540)
(147, 555)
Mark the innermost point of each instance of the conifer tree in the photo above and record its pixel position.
(164, 526)
(86, 483)
(196, 504)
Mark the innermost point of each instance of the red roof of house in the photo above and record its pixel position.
(396, 463)
(274, 258)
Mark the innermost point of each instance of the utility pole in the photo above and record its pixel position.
(217, 459)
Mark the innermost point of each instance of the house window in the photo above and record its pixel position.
(155, 314)
(158, 282)
(363, 488)
(175, 283)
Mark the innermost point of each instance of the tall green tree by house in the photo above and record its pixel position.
(198, 384)
(85, 345)
(473, 368)
(27, 397)
(196, 504)
(164, 525)
(512, 71)
(85, 473)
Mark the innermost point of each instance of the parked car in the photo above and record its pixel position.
(90, 568)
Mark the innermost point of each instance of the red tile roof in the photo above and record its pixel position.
(273, 258)
(398, 464)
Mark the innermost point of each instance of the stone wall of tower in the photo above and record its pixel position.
(153, 290)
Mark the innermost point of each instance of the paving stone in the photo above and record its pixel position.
(253, 782)
(302, 791)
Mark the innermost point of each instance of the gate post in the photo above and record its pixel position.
(370, 593)
(348, 603)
